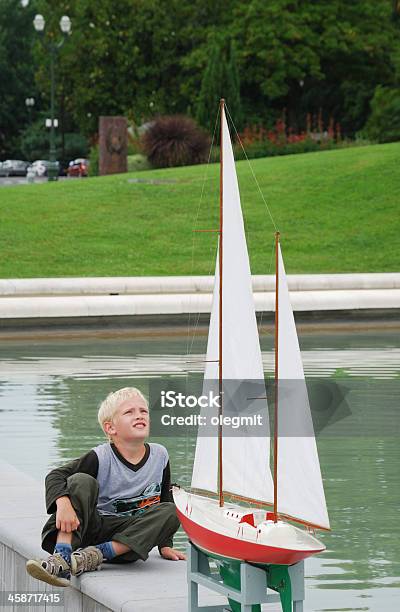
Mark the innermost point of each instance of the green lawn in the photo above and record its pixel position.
(338, 211)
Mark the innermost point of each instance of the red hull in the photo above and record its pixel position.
(240, 549)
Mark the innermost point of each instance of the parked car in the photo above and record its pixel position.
(40, 167)
(78, 167)
(13, 167)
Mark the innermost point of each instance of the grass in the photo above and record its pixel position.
(337, 211)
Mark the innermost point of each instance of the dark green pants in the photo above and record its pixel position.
(153, 527)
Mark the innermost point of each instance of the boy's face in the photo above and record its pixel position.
(130, 422)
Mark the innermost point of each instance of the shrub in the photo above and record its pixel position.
(383, 124)
(137, 162)
(34, 143)
(280, 139)
(266, 148)
(75, 146)
(134, 146)
(175, 141)
(94, 161)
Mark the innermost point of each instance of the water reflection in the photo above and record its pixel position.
(49, 393)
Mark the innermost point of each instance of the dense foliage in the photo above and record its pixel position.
(16, 73)
(144, 59)
(383, 124)
(34, 142)
(220, 80)
(175, 141)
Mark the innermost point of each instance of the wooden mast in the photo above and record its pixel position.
(276, 377)
(221, 219)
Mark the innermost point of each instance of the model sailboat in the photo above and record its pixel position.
(228, 467)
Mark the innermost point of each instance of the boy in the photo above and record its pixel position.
(113, 503)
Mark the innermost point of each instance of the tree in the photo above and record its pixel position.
(395, 10)
(16, 72)
(233, 89)
(212, 87)
(167, 57)
(305, 56)
(124, 60)
(356, 56)
(383, 124)
(220, 80)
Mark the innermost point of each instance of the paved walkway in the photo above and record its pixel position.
(152, 586)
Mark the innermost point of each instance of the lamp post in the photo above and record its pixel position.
(53, 47)
(29, 103)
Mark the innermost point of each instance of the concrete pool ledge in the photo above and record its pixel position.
(153, 585)
(150, 285)
(88, 298)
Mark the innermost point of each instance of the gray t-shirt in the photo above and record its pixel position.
(124, 492)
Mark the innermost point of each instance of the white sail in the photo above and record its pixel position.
(245, 461)
(300, 488)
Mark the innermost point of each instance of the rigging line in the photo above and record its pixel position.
(262, 196)
(259, 189)
(252, 171)
(212, 265)
(191, 343)
(189, 348)
(213, 250)
(193, 238)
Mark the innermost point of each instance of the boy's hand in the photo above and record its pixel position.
(66, 519)
(170, 553)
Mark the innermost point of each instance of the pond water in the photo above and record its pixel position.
(50, 390)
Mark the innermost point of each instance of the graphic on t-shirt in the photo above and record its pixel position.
(134, 505)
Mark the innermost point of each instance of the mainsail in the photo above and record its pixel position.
(300, 488)
(245, 459)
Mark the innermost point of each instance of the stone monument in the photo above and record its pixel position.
(113, 145)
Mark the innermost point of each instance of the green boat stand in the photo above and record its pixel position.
(245, 585)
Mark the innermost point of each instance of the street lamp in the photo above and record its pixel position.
(39, 23)
(29, 103)
(65, 24)
(53, 47)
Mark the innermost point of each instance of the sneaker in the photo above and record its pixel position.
(86, 560)
(54, 570)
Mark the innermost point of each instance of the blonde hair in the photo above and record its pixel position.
(108, 407)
